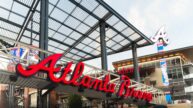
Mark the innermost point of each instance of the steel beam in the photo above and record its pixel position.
(87, 33)
(16, 25)
(103, 45)
(123, 20)
(27, 19)
(135, 62)
(43, 44)
(98, 18)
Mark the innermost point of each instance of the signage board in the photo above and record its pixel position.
(78, 79)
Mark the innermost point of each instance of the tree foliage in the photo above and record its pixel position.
(75, 101)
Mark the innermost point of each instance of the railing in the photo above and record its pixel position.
(189, 76)
(91, 71)
(189, 89)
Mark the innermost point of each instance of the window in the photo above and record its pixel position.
(179, 75)
(174, 76)
(178, 61)
(169, 75)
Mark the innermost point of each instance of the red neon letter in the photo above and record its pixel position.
(31, 70)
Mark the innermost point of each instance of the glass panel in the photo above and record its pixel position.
(80, 46)
(112, 20)
(142, 42)
(109, 50)
(90, 5)
(50, 42)
(53, 24)
(51, 7)
(87, 56)
(63, 47)
(36, 17)
(35, 43)
(94, 35)
(27, 33)
(100, 11)
(98, 39)
(69, 55)
(86, 41)
(17, 19)
(74, 51)
(72, 22)
(127, 31)
(80, 14)
(20, 8)
(9, 27)
(58, 51)
(37, 37)
(4, 13)
(59, 37)
(124, 42)
(83, 28)
(25, 40)
(50, 32)
(91, 21)
(8, 34)
(53, 1)
(81, 54)
(65, 30)
(76, 57)
(110, 33)
(66, 5)
(50, 48)
(75, 35)
(59, 15)
(69, 41)
(36, 26)
(110, 43)
(87, 49)
(6, 3)
(118, 38)
(95, 52)
(94, 44)
(38, 7)
(116, 47)
(134, 37)
(120, 26)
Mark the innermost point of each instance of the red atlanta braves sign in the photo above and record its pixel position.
(77, 79)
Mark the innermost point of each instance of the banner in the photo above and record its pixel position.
(163, 67)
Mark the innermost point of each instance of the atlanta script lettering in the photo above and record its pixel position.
(77, 79)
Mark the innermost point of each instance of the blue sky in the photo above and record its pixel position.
(148, 16)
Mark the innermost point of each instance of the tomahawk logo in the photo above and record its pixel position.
(161, 35)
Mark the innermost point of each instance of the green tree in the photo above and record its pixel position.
(75, 101)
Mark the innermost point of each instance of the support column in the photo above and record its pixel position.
(103, 46)
(135, 62)
(103, 52)
(43, 43)
(53, 99)
(39, 99)
(43, 27)
(26, 98)
(11, 97)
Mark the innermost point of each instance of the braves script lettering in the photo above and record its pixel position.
(77, 79)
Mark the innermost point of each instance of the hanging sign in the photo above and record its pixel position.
(78, 79)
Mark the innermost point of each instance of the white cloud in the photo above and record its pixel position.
(148, 17)
(180, 7)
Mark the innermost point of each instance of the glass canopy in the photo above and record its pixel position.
(73, 27)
